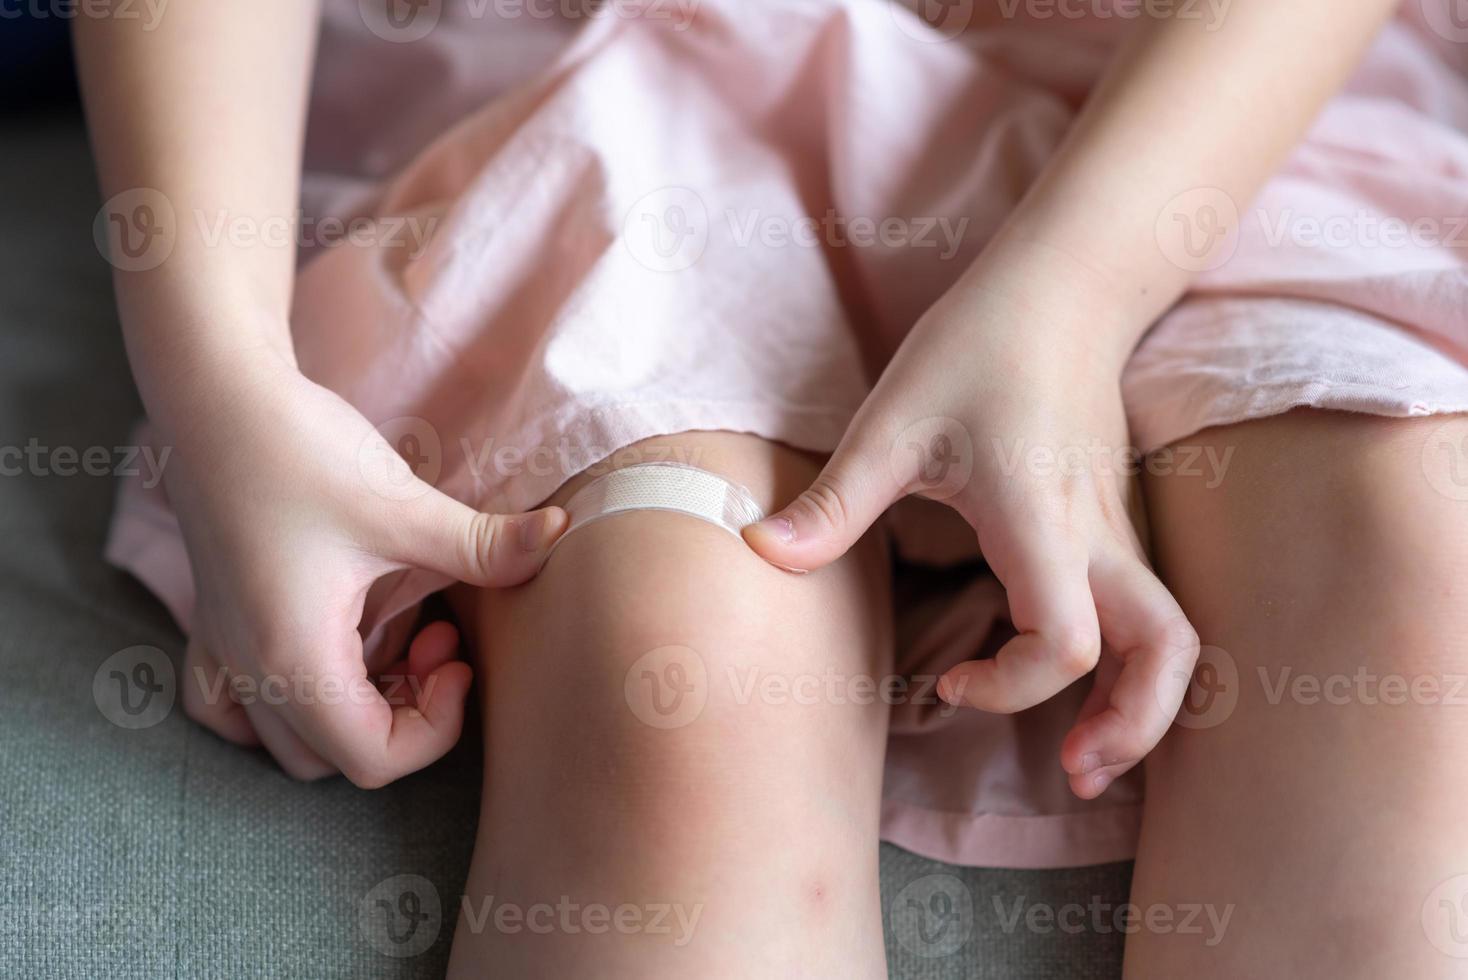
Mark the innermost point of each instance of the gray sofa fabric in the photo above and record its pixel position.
(160, 851)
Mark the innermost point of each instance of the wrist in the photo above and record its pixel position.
(1034, 296)
(205, 360)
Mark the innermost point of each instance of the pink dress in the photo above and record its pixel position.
(669, 216)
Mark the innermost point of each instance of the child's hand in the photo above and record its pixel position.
(966, 413)
(285, 535)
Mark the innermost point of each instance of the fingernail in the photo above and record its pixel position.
(781, 528)
(538, 530)
(1101, 781)
(1090, 762)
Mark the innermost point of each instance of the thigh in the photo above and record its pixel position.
(670, 720)
(1305, 813)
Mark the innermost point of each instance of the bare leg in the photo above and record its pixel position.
(1322, 811)
(662, 742)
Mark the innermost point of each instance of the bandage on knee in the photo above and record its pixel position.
(672, 487)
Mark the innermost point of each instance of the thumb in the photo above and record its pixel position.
(824, 522)
(437, 532)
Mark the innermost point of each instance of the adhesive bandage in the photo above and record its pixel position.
(671, 487)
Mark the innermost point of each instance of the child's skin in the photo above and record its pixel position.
(1028, 345)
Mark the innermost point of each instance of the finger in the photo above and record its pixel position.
(1091, 784)
(853, 489)
(372, 741)
(436, 532)
(1044, 573)
(288, 749)
(207, 700)
(436, 645)
(1155, 649)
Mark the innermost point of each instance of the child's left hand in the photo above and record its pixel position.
(988, 406)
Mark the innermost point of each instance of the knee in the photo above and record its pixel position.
(693, 679)
(1321, 574)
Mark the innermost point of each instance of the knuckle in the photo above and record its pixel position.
(479, 542)
(1077, 649)
(300, 769)
(366, 774)
(827, 499)
(1179, 636)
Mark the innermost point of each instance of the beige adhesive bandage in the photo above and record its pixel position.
(672, 487)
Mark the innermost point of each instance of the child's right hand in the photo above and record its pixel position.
(285, 536)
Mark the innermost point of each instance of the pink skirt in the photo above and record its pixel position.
(635, 219)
